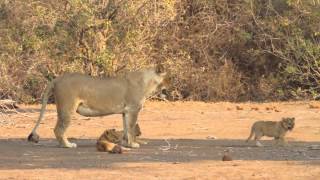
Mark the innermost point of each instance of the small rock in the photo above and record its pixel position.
(226, 158)
(269, 108)
(211, 137)
(314, 106)
(239, 108)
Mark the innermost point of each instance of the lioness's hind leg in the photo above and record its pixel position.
(63, 123)
(257, 137)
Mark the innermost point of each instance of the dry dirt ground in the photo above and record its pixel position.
(186, 141)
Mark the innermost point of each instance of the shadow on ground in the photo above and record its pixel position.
(20, 154)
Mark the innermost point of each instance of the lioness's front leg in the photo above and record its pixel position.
(129, 122)
(139, 141)
(281, 141)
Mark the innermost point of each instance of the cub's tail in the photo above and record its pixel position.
(34, 137)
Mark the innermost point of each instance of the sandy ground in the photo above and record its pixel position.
(186, 141)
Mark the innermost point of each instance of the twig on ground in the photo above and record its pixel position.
(8, 104)
(166, 148)
(309, 157)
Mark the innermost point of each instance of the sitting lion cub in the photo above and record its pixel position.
(271, 129)
(109, 140)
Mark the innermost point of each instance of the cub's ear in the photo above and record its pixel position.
(106, 132)
(293, 119)
(160, 69)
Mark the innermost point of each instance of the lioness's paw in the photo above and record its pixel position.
(259, 144)
(34, 137)
(135, 145)
(139, 141)
(70, 145)
(131, 145)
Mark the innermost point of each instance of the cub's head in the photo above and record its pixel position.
(111, 135)
(288, 123)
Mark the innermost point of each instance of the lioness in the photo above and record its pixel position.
(90, 96)
(271, 129)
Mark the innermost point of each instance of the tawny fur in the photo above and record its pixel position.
(275, 129)
(89, 96)
(110, 140)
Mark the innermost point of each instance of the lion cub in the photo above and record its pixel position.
(276, 129)
(110, 139)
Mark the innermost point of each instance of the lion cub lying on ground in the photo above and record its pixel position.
(110, 139)
(271, 129)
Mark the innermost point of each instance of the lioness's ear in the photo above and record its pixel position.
(160, 69)
(293, 119)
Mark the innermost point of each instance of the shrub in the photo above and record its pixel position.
(214, 50)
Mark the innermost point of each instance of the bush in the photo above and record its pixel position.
(214, 50)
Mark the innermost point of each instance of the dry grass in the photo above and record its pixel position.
(213, 50)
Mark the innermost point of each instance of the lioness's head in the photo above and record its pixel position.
(288, 123)
(160, 70)
(154, 79)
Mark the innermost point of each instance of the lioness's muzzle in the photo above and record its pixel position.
(163, 92)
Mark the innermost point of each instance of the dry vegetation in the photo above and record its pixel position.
(214, 49)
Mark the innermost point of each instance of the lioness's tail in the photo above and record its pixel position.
(33, 135)
(251, 134)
